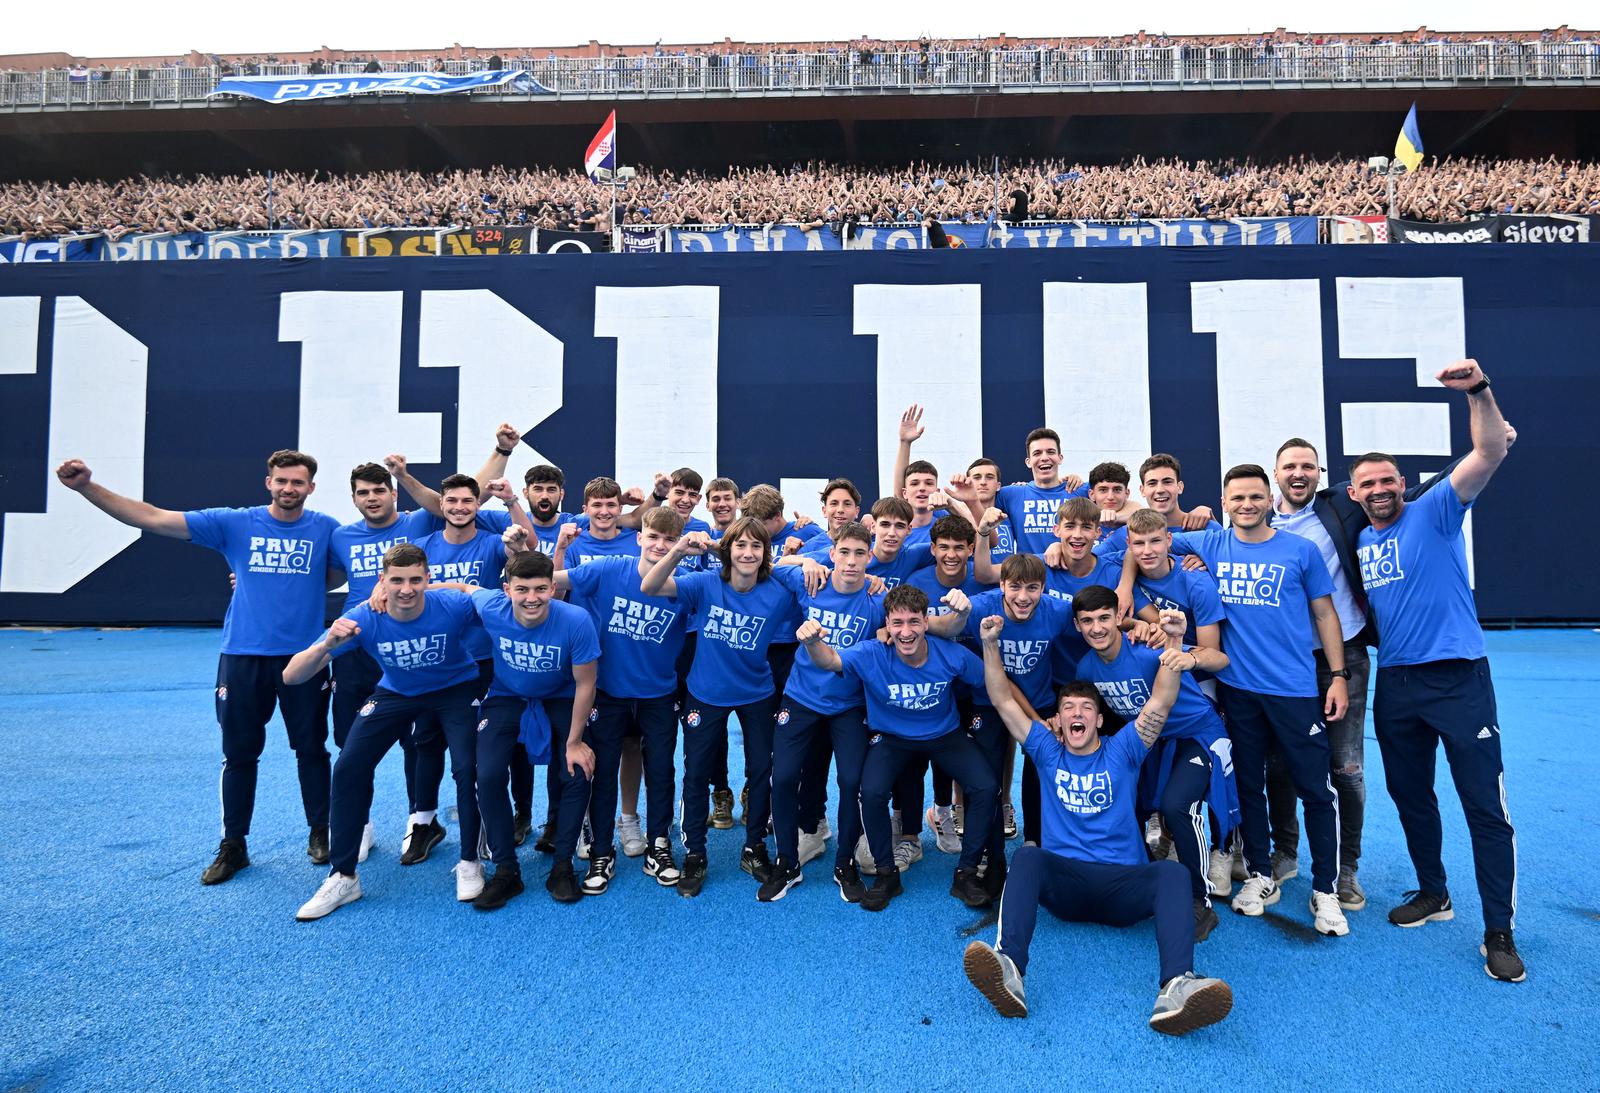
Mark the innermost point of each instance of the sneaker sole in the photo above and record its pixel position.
(1353, 904)
(983, 968)
(300, 917)
(1277, 894)
(687, 892)
(208, 882)
(1206, 1006)
(634, 850)
(1279, 878)
(1438, 916)
(426, 850)
(664, 881)
(1332, 931)
(784, 891)
(845, 896)
(496, 905)
(1484, 952)
(720, 825)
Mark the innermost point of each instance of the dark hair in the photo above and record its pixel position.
(662, 519)
(1080, 510)
(288, 457)
(892, 508)
(983, 461)
(842, 484)
(723, 485)
(375, 473)
(1094, 598)
(1156, 462)
(543, 472)
(688, 478)
(404, 554)
(745, 527)
(1108, 472)
(905, 597)
(957, 528)
(601, 487)
(530, 565)
(762, 502)
(1022, 567)
(920, 466)
(1081, 688)
(854, 530)
(1295, 442)
(1041, 433)
(1372, 457)
(459, 482)
(1247, 470)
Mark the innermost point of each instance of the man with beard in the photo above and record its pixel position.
(280, 556)
(1433, 673)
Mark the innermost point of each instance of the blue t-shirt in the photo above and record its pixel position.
(807, 535)
(641, 636)
(1005, 544)
(536, 661)
(1193, 592)
(1031, 511)
(923, 536)
(480, 562)
(898, 570)
(1117, 541)
(849, 618)
(545, 537)
(1025, 647)
(1125, 683)
(1088, 800)
(427, 654)
(1060, 584)
(281, 570)
(1415, 574)
(586, 548)
(1266, 590)
(730, 655)
(360, 548)
(915, 703)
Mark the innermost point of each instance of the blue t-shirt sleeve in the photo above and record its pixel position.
(1204, 603)
(1444, 508)
(1190, 542)
(859, 660)
(363, 617)
(481, 598)
(1318, 581)
(585, 642)
(495, 520)
(1042, 747)
(585, 579)
(692, 589)
(1126, 748)
(790, 577)
(969, 668)
(210, 527)
(919, 556)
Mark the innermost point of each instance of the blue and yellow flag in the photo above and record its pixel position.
(1408, 145)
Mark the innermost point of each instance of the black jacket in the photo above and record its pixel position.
(1345, 519)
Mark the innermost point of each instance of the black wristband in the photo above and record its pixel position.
(504, 451)
(1481, 385)
(659, 499)
(1339, 673)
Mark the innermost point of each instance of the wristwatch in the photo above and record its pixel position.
(1479, 386)
(1339, 673)
(504, 451)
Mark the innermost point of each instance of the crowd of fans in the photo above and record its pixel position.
(813, 193)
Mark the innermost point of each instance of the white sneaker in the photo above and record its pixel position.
(907, 851)
(824, 831)
(864, 862)
(585, 840)
(1220, 874)
(369, 838)
(1256, 895)
(469, 880)
(812, 844)
(633, 840)
(1241, 868)
(944, 830)
(1154, 833)
(335, 892)
(1327, 916)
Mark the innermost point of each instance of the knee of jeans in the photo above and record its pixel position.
(1349, 774)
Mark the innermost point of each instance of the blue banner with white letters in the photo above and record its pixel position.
(174, 380)
(1239, 232)
(308, 88)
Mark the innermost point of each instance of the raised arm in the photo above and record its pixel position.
(501, 488)
(953, 623)
(506, 440)
(660, 581)
(1490, 437)
(813, 637)
(427, 499)
(76, 476)
(314, 657)
(910, 431)
(984, 571)
(1164, 691)
(1017, 719)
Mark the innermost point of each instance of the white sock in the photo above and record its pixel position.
(630, 817)
(424, 818)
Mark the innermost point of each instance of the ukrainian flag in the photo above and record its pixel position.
(1408, 145)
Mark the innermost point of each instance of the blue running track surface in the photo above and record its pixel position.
(119, 971)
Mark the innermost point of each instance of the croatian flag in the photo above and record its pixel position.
(602, 151)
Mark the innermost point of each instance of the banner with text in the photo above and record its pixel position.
(310, 88)
(1504, 228)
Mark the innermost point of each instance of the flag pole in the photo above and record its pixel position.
(616, 165)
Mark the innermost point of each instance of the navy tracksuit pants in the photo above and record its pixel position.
(705, 738)
(1296, 725)
(794, 750)
(500, 724)
(355, 677)
(1183, 808)
(248, 687)
(1113, 895)
(655, 722)
(387, 717)
(968, 762)
(1416, 707)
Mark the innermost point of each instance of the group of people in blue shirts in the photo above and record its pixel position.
(1155, 667)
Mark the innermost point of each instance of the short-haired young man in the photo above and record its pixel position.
(1091, 866)
(1108, 488)
(722, 502)
(421, 641)
(604, 537)
(911, 710)
(1161, 486)
(1031, 506)
(279, 554)
(983, 474)
(1433, 673)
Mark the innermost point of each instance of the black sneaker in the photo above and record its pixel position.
(521, 826)
(1501, 959)
(602, 867)
(784, 877)
(1205, 920)
(693, 876)
(885, 886)
(499, 889)
(994, 880)
(848, 878)
(967, 887)
(754, 860)
(317, 846)
(547, 838)
(1420, 907)
(424, 837)
(562, 884)
(231, 857)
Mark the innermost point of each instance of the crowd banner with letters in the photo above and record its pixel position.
(308, 88)
(174, 380)
(1238, 232)
(1503, 228)
(1422, 231)
(436, 242)
(559, 242)
(643, 239)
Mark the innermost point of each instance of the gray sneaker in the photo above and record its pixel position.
(812, 844)
(1189, 1002)
(1351, 896)
(1284, 866)
(864, 862)
(997, 978)
(907, 851)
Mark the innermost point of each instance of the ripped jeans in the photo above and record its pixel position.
(1345, 749)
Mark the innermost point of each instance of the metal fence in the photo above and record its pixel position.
(917, 70)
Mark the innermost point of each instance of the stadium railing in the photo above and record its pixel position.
(1174, 66)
